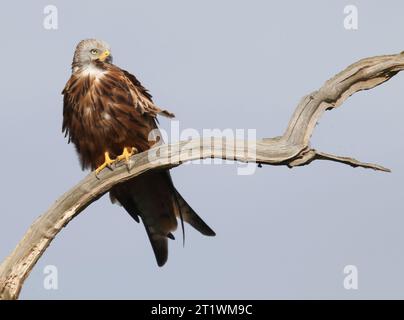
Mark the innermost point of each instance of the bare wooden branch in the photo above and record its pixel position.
(312, 155)
(291, 149)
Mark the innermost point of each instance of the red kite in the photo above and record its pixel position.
(108, 116)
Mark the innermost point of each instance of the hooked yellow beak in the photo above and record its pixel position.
(104, 55)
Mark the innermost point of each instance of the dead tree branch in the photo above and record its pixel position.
(291, 149)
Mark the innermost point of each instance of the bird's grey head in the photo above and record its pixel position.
(90, 50)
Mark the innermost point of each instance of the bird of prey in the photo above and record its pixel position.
(108, 116)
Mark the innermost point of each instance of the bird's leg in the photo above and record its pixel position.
(126, 154)
(107, 163)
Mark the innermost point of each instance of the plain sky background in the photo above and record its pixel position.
(281, 233)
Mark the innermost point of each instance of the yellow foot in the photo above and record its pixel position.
(107, 163)
(126, 154)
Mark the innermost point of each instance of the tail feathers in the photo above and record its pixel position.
(157, 237)
(128, 204)
(159, 244)
(191, 217)
(153, 198)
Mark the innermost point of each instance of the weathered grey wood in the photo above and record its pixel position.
(291, 149)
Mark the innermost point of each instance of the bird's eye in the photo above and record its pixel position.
(94, 51)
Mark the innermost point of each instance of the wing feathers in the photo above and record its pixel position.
(107, 111)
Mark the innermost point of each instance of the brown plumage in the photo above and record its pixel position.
(106, 109)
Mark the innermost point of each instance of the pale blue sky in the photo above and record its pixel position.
(281, 233)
